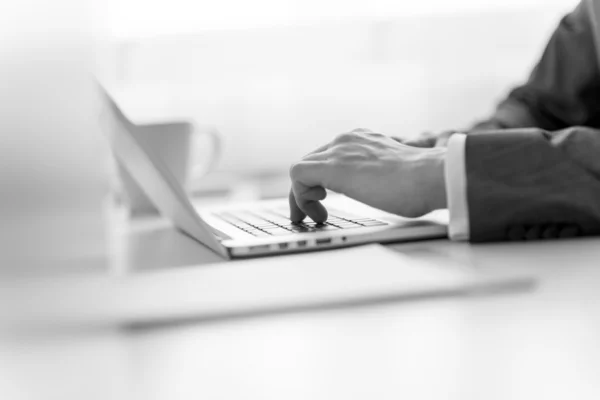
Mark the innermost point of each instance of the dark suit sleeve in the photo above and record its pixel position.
(562, 90)
(531, 184)
(543, 181)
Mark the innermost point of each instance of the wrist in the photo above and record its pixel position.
(435, 181)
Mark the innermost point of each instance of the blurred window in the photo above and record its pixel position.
(139, 18)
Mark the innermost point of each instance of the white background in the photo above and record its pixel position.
(278, 78)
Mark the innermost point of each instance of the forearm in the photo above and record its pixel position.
(562, 88)
(530, 183)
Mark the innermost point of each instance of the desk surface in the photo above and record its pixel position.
(531, 345)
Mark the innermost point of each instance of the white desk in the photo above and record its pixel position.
(538, 345)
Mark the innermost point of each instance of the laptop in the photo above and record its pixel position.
(258, 228)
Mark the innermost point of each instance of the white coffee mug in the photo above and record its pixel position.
(178, 145)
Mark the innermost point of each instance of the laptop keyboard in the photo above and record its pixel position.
(275, 223)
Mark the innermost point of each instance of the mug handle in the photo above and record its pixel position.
(199, 169)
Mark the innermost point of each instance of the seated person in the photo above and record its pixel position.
(530, 171)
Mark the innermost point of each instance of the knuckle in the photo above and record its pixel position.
(294, 170)
(345, 137)
(338, 153)
(347, 151)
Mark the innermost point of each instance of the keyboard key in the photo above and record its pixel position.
(341, 221)
(321, 228)
(274, 227)
(277, 220)
(373, 223)
(301, 229)
(284, 213)
(344, 224)
(264, 227)
(279, 232)
(252, 219)
(260, 234)
(246, 227)
(342, 215)
(349, 226)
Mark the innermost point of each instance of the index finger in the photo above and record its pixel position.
(308, 183)
(311, 201)
(296, 214)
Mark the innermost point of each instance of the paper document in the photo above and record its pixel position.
(336, 278)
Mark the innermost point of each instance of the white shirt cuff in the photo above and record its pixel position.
(456, 188)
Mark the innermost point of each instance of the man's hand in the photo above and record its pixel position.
(373, 169)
